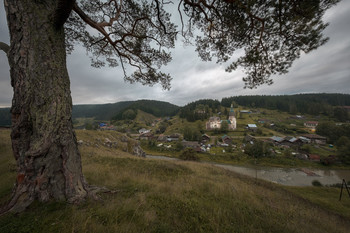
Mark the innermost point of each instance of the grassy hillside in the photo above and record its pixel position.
(164, 196)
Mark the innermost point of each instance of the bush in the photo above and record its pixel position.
(189, 154)
(316, 183)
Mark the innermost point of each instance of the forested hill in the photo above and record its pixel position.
(156, 108)
(99, 111)
(109, 111)
(301, 103)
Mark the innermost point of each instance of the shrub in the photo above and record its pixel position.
(189, 154)
(316, 183)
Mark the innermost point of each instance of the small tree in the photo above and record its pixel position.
(343, 151)
(129, 114)
(224, 127)
(189, 154)
(178, 146)
(258, 149)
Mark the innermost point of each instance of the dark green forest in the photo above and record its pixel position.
(99, 111)
(156, 108)
(313, 104)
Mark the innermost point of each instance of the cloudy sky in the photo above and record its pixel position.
(325, 70)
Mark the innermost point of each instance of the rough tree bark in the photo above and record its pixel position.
(43, 141)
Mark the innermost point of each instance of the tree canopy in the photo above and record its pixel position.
(138, 33)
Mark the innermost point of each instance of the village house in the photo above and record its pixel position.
(304, 139)
(173, 137)
(292, 141)
(213, 123)
(205, 138)
(286, 141)
(192, 144)
(314, 138)
(311, 124)
(277, 140)
(226, 140)
(105, 126)
(245, 111)
(315, 158)
(263, 121)
(252, 127)
(143, 130)
(216, 122)
(146, 136)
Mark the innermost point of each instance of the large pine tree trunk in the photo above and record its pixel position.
(43, 140)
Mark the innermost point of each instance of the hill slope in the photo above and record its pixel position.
(108, 111)
(165, 196)
(99, 111)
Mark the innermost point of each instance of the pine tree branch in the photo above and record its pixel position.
(4, 47)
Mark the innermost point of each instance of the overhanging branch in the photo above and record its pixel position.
(4, 47)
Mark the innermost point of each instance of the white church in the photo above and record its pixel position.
(215, 122)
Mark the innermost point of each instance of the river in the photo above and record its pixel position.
(284, 176)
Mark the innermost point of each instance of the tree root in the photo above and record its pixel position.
(19, 203)
(94, 191)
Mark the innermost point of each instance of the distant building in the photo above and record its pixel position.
(314, 138)
(216, 122)
(146, 136)
(205, 138)
(232, 119)
(311, 124)
(173, 137)
(245, 111)
(143, 131)
(213, 123)
(315, 158)
(192, 144)
(252, 127)
(226, 139)
(277, 139)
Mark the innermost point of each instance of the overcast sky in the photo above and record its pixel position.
(326, 70)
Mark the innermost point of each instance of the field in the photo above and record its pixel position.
(173, 196)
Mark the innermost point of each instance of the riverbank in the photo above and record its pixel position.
(241, 159)
(283, 176)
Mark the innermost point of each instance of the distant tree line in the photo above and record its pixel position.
(313, 104)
